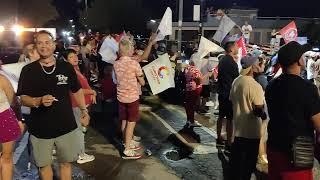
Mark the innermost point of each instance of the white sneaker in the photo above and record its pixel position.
(134, 145)
(195, 124)
(209, 104)
(84, 158)
(131, 154)
(136, 138)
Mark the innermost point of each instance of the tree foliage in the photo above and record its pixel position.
(71, 9)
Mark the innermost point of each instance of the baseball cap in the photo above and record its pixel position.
(246, 63)
(291, 53)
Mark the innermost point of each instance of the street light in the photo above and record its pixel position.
(153, 21)
(1, 29)
(180, 24)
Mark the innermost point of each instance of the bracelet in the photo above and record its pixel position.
(84, 109)
(35, 102)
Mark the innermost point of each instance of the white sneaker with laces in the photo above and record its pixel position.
(131, 154)
(210, 104)
(84, 158)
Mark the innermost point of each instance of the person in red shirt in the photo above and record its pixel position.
(90, 98)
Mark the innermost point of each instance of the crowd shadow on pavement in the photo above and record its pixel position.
(225, 164)
(105, 121)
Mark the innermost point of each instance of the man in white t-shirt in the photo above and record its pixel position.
(246, 30)
(247, 99)
(312, 72)
(206, 69)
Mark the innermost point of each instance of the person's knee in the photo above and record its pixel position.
(7, 158)
(65, 166)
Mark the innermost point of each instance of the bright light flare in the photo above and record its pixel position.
(17, 29)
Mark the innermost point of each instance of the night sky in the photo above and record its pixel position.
(134, 13)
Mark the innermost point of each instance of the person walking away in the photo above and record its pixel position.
(45, 86)
(193, 79)
(227, 72)
(247, 99)
(9, 128)
(90, 98)
(129, 78)
(294, 111)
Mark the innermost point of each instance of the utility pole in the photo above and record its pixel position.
(180, 24)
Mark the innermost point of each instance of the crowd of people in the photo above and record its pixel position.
(268, 120)
(271, 109)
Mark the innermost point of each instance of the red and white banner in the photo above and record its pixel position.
(242, 45)
(289, 33)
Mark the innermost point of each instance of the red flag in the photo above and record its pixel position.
(241, 44)
(290, 32)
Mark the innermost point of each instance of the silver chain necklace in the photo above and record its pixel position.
(52, 71)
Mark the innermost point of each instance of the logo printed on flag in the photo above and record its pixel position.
(163, 72)
(290, 32)
(159, 74)
(165, 26)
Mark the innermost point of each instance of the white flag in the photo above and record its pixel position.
(12, 72)
(226, 25)
(206, 46)
(160, 74)
(165, 26)
(109, 49)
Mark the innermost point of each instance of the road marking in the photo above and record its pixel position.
(171, 129)
(209, 131)
(198, 148)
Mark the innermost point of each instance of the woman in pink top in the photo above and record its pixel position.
(193, 90)
(90, 98)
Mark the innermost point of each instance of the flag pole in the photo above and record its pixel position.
(180, 25)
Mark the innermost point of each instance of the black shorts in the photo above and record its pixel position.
(225, 108)
(205, 91)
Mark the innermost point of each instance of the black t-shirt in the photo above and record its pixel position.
(291, 102)
(227, 72)
(58, 119)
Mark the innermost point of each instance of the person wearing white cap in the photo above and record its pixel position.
(247, 99)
